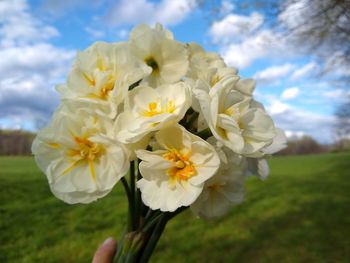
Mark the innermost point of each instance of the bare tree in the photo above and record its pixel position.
(15, 142)
(321, 27)
(317, 27)
(343, 120)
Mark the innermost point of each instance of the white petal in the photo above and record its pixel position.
(279, 142)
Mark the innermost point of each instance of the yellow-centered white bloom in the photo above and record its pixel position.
(238, 121)
(151, 109)
(81, 161)
(156, 48)
(174, 175)
(212, 80)
(101, 75)
(224, 189)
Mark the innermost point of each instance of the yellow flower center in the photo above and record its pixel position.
(214, 80)
(234, 113)
(87, 151)
(107, 87)
(150, 61)
(230, 112)
(182, 168)
(90, 79)
(104, 88)
(155, 108)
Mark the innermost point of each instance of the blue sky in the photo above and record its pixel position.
(39, 39)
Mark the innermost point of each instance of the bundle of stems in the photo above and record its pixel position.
(144, 226)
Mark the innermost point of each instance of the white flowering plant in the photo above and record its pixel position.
(171, 122)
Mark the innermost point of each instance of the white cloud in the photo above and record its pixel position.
(19, 27)
(294, 134)
(290, 93)
(8, 9)
(272, 74)
(277, 107)
(254, 47)
(29, 66)
(172, 12)
(167, 12)
(27, 60)
(338, 94)
(316, 125)
(297, 120)
(304, 71)
(243, 39)
(294, 13)
(234, 27)
(27, 94)
(226, 7)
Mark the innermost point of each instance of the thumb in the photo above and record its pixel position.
(105, 253)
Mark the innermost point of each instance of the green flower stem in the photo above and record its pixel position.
(138, 200)
(152, 242)
(120, 247)
(133, 243)
(151, 222)
(128, 194)
(144, 230)
(148, 214)
(132, 205)
(126, 187)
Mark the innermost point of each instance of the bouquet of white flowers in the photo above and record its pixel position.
(172, 122)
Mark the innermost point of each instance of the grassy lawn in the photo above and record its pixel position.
(301, 213)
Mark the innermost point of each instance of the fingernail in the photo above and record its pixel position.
(108, 240)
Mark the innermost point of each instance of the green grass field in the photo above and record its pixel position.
(301, 213)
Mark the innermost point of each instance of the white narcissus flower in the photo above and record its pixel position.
(246, 86)
(279, 143)
(81, 161)
(101, 75)
(174, 175)
(151, 109)
(259, 166)
(238, 121)
(202, 62)
(141, 144)
(224, 189)
(211, 81)
(156, 48)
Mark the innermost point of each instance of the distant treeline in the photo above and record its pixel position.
(15, 142)
(308, 145)
(19, 143)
